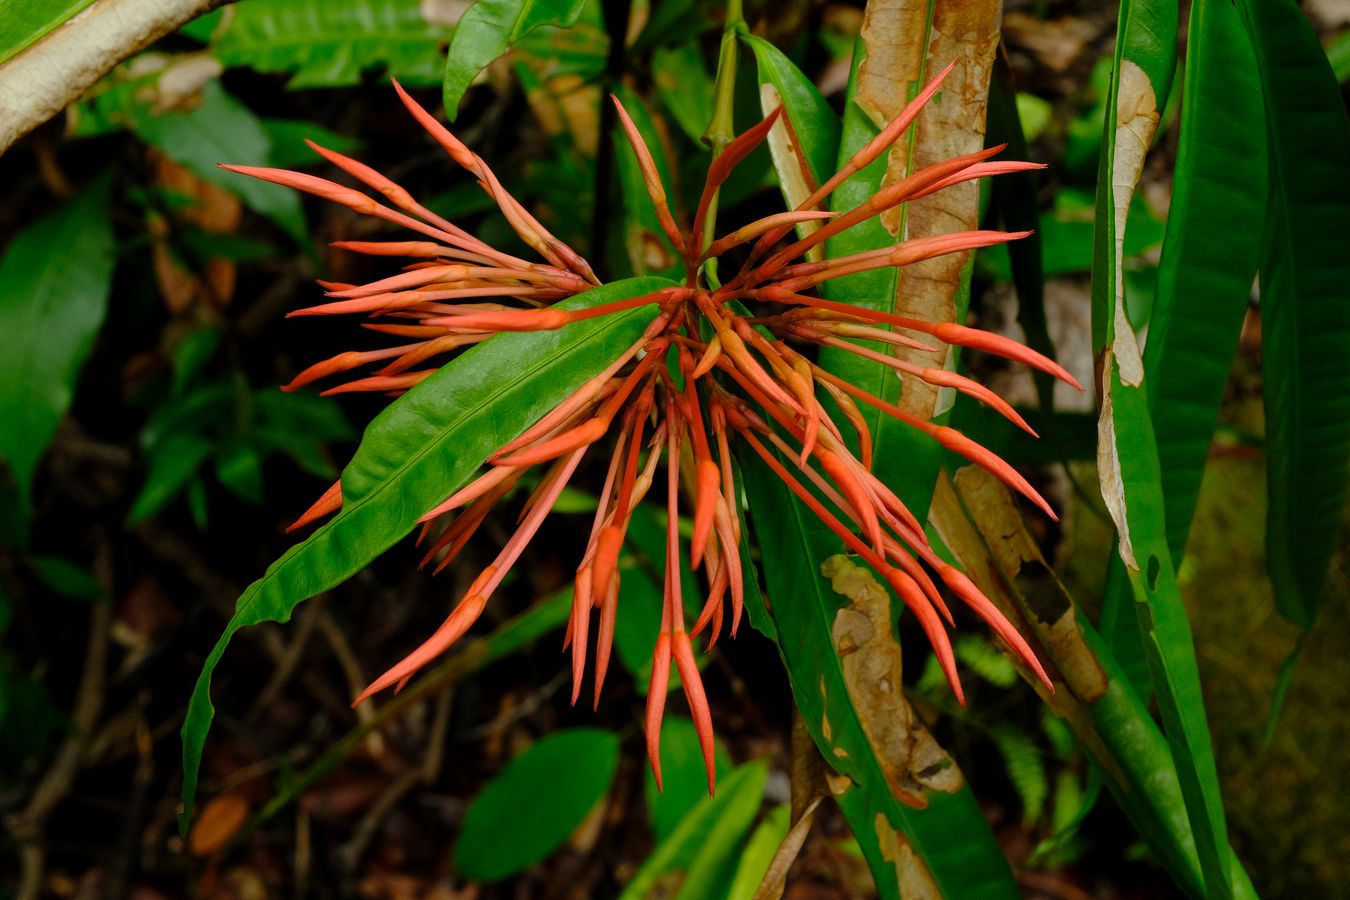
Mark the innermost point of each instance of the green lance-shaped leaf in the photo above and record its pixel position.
(705, 844)
(422, 448)
(1305, 319)
(332, 43)
(1127, 455)
(50, 312)
(488, 29)
(529, 809)
(1209, 259)
(854, 726)
(25, 22)
(804, 142)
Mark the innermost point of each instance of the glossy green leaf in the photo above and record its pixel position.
(1128, 463)
(50, 312)
(684, 780)
(707, 840)
(1204, 282)
(331, 43)
(25, 22)
(527, 811)
(1305, 319)
(488, 29)
(951, 835)
(424, 446)
(222, 130)
(810, 140)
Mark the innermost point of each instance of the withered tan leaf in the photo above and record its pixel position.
(870, 657)
(904, 48)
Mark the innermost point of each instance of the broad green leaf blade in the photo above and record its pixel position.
(50, 311)
(1127, 456)
(804, 143)
(332, 43)
(707, 838)
(1209, 259)
(900, 49)
(528, 810)
(488, 29)
(950, 836)
(1305, 319)
(25, 22)
(423, 447)
(224, 130)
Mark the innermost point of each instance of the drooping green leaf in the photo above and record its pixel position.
(1204, 282)
(50, 311)
(25, 22)
(223, 130)
(528, 810)
(423, 447)
(684, 781)
(171, 466)
(806, 148)
(488, 29)
(951, 835)
(331, 43)
(707, 838)
(1305, 319)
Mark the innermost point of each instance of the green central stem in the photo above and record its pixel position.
(722, 129)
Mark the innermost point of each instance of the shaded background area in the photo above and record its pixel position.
(169, 485)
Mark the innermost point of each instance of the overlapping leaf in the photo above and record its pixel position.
(420, 449)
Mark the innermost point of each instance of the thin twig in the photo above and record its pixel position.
(26, 827)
